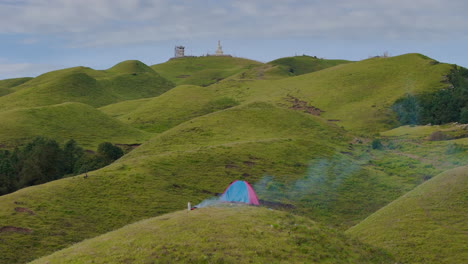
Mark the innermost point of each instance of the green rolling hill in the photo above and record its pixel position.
(81, 122)
(306, 143)
(299, 65)
(427, 225)
(357, 96)
(125, 81)
(202, 71)
(228, 234)
(7, 86)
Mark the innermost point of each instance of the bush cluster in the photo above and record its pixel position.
(443, 106)
(43, 160)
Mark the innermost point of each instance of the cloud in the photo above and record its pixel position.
(14, 70)
(122, 22)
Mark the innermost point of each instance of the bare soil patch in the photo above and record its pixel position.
(15, 229)
(24, 210)
(303, 106)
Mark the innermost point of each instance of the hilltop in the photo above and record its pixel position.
(228, 234)
(427, 225)
(299, 65)
(125, 81)
(202, 71)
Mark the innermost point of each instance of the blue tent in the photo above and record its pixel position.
(240, 191)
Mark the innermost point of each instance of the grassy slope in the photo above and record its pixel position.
(357, 94)
(293, 158)
(6, 86)
(161, 113)
(88, 126)
(196, 101)
(125, 81)
(427, 225)
(299, 65)
(200, 157)
(202, 71)
(189, 162)
(227, 234)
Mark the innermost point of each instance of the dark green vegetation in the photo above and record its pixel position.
(227, 234)
(438, 107)
(431, 220)
(316, 145)
(44, 160)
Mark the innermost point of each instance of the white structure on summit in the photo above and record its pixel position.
(179, 51)
(219, 51)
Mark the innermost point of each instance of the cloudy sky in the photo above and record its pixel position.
(37, 36)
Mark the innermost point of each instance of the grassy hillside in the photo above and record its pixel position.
(299, 65)
(262, 129)
(81, 122)
(190, 162)
(7, 85)
(125, 81)
(355, 95)
(227, 234)
(170, 109)
(296, 162)
(427, 225)
(202, 71)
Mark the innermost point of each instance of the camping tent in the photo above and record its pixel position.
(240, 191)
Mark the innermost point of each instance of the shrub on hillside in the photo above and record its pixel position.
(43, 160)
(377, 144)
(443, 106)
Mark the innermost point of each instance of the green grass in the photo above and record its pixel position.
(125, 81)
(62, 122)
(358, 95)
(427, 225)
(226, 234)
(165, 111)
(202, 71)
(6, 86)
(184, 163)
(299, 65)
(290, 158)
(238, 128)
(354, 95)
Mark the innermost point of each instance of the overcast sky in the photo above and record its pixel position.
(38, 36)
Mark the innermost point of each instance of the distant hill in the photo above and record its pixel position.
(357, 95)
(427, 225)
(228, 234)
(299, 65)
(126, 80)
(81, 122)
(202, 71)
(170, 109)
(7, 85)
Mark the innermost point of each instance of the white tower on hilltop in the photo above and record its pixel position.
(179, 51)
(219, 51)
